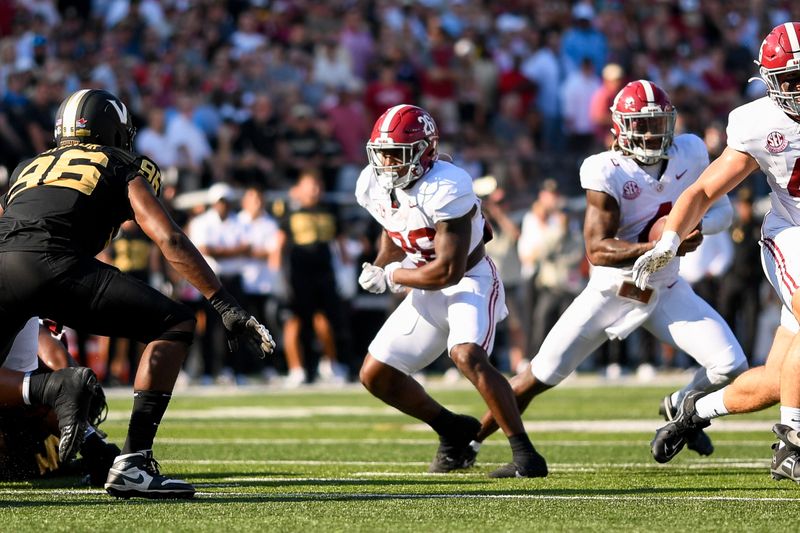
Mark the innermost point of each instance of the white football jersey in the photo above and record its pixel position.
(643, 199)
(761, 129)
(443, 193)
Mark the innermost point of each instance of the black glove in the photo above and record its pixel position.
(239, 324)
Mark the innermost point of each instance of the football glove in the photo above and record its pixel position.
(655, 259)
(372, 278)
(240, 325)
(389, 271)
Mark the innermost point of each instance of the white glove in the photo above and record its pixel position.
(389, 270)
(656, 259)
(372, 278)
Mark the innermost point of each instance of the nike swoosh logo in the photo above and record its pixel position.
(672, 284)
(135, 481)
(679, 176)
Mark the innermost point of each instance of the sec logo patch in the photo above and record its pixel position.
(631, 190)
(776, 142)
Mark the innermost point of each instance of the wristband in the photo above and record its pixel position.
(672, 239)
(26, 388)
(222, 300)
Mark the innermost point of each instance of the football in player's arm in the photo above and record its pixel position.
(761, 134)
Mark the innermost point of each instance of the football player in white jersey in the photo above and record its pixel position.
(433, 245)
(629, 188)
(763, 134)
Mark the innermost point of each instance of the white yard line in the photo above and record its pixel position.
(551, 497)
(322, 496)
(695, 464)
(580, 426)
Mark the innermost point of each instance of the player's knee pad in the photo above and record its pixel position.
(186, 337)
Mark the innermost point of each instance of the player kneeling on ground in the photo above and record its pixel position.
(29, 434)
(433, 245)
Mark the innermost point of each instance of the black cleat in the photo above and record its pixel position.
(684, 427)
(136, 474)
(449, 459)
(786, 460)
(533, 465)
(698, 441)
(69, 392)
(456, 454)
(97, 458)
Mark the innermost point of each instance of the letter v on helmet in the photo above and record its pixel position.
(122, 113)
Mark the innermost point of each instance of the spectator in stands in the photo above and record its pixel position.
(544, 69)
(602, 99)
(385, 91)
(576, 100)
(582, 39)
(255, 144)
(152, 140)
(300, 143)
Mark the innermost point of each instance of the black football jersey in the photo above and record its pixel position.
(71, 198)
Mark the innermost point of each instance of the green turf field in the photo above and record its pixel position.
(322, 460)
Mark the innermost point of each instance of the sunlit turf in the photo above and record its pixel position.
(325, 460)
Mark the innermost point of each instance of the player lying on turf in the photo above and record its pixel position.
(28, 434)
(62, 208)
(628, 189)
(433, 246)
(764, 134)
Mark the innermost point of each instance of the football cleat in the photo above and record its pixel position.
(533, 465)
(670, 439)
(786, 459)
(137, 474)
(449, 459)
(97, 457)
(69, 392)
(699, 441)
(456, 453)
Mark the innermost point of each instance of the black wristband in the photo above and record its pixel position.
(222, 301)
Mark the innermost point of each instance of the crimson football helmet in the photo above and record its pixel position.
(778, 55)
(644, 121)
(403, 145)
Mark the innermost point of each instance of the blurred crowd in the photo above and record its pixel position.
(258, 112)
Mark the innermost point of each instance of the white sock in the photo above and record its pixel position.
(475, 445)
(791, 417)
(711, 405)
